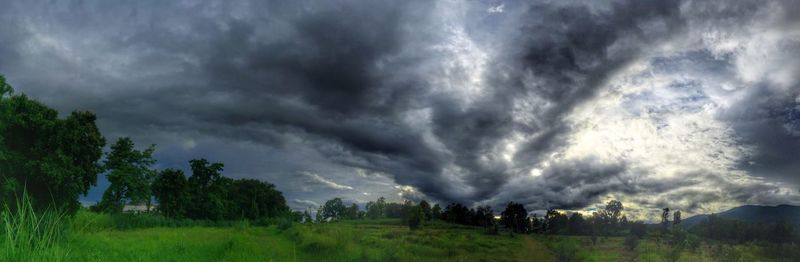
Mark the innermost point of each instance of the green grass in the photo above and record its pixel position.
(49, 236)
(367, 240)
(31, 236)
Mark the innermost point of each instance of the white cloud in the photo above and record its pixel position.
(317, 180)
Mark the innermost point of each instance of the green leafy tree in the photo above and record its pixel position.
(333, 208)
(53, 160)
(253, 199)
(170, 189)
(130, 175)
(207, 190)
(376, 209)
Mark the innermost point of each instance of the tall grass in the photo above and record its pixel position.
(28, 235)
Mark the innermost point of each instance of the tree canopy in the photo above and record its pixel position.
(130, 175)
(51, 159)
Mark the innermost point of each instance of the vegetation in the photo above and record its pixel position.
(54, 160)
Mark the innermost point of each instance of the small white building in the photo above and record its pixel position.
(136, 209)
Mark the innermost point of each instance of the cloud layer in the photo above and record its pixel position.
(687, 104)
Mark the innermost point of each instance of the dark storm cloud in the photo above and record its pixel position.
(320, 89)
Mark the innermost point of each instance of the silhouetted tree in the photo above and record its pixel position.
(515, 217)
(436, 211)
(425, 207)
(207, 190)
(484, 216)
(665, 219)
(170, 189)
(414, 216)
(456, 213)
(253, 199)
(676, 217)
(577, 224)
(554, 221)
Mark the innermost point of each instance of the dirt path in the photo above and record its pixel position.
(533, 250)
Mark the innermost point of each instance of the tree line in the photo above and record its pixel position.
(56, 160)
(206, 194)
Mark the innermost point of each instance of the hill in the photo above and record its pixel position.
(754, 213)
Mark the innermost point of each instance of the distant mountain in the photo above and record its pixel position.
(752, 213)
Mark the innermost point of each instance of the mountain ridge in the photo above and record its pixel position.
(753, 213)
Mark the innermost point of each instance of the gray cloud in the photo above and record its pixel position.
(555, 104)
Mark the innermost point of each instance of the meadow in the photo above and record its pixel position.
(91, 236)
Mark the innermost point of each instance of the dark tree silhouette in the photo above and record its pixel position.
(253, 199)
(436, 211)
(515, 217)
(170, 189)
(207, 190)
(425, 207)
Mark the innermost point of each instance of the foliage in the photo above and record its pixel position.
(555, 221)
(376, 209)
(130, 176)
(53, 160)
(207, 190)
(426, 209)
(436, 211)
(715, 227)
(333, 209)
(253, 199)
(415, 217)
(515, 217)
(170, 189)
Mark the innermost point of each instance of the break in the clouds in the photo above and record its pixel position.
(693, 105)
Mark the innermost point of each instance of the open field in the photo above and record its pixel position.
(90, 236)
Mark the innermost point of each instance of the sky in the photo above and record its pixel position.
(691, 105)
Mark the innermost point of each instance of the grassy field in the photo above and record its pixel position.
(101, 237)
(581, 248)
(95, 237)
